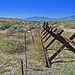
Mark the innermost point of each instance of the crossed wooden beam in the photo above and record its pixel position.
(51, 31)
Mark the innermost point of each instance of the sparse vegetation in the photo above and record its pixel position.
(71, 26)
(15, 30)
(11, 46)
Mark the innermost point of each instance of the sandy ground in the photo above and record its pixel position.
(3, 31)
(70, 30)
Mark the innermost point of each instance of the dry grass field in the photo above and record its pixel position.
(12, 50)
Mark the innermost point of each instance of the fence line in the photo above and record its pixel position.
(51, 31)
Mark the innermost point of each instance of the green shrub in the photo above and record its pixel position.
(68, 68)
(31, 27)
(59, 29)
(11, 31)
(5, 25)
(18, 30)
(18, 22)
(11, 46)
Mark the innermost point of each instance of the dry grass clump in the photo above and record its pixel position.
(6, 61)
(2, 70)
(19, 36)
(42, 63)
(18, 60)
(17, 72)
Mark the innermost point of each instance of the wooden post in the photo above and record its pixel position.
(25, 49)
(32, 39)
(22, 66)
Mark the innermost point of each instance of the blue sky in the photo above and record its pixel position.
(29, 8)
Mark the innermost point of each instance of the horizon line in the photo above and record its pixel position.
(34, 16)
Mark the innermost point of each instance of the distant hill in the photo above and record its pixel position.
(49, 19)
(39, 19)
(68, 18)
(10, 19)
